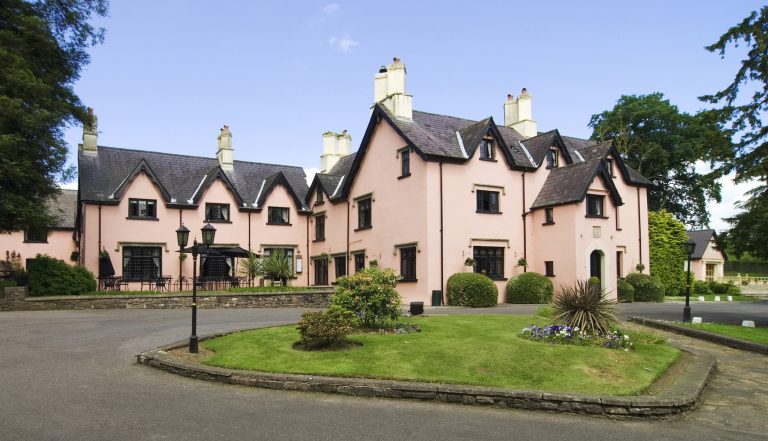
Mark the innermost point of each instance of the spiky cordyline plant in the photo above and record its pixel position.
(584, 305)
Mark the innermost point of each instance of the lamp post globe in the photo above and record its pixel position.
(182, 236)
(690, 247)
(209, 232)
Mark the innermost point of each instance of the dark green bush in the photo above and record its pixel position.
(700, 288)
(49, 276)
(733, 290)
(647, 288)
(370, 294)
(724, 288)
(584, 305)
(325, 328)
(471, 289)
(529, 288)
(625, 292)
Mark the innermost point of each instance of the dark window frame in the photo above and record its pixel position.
(284, 222)
(489, 261)
(224, 212)
(485, 201)
(138, 262)
(405, 163)
(340, 264)
(319, 227)
(35, 235)
(364, 213)
(134, 206)
(595, 205)
(609, 165)
(408, 264)
(487, 150)
(287, 251)
(553, 158)
(359, 261)
(320, 199)
(549, 216)
(549, 268)
(320, 265)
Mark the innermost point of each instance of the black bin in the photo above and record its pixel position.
(417, 308)
(437, 298)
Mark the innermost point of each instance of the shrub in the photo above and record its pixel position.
(733, 290)
(529, 288)
(625, 291)
(49, 276)
(594, 280)
(724, 288)
(647, 288)
(277, 267)
(700, 288)
(370, 294)
(584, 305)
(666, 247)
(325, 328)
(471, 289)
(545, 311)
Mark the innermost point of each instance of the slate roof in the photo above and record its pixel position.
(64, 208)
(701, 238)
(569, 184)
(181, 178)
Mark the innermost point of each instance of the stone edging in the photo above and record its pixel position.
(704, 335)
(679, 397)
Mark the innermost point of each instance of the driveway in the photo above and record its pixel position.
(71, 375)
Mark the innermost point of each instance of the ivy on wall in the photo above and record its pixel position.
(667, 238)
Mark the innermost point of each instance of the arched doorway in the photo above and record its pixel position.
(596, 265)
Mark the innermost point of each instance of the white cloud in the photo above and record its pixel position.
(732, 194)
(344, 44)
(324, 15)
(331, 8)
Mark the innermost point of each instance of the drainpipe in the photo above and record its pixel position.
(442, 252)
(249, 231)
(525, 229)
(99, 229)
(348, 237)
(639, 230)
(307, 250)
(181, 264)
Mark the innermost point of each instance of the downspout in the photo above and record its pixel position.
(181, 263)
(640, 230)
(307, 250)
(99, 228)
(525, 229)
(442, 253)
(348, 237)
(249, 231)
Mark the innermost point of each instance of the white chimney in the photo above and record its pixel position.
(519, 116)
(335, 147)
(90, 135)
(389, 89)
(225, 152)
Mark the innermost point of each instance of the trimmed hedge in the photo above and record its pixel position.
(529, 288)
(625, 291)
(647, 288)
(54, 277)
(471, 289)
(724, 288)
(666, 248)
(700, 288)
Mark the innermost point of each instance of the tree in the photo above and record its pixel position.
(664, 144)
(42, 51)
(666, 248)
(749, 232)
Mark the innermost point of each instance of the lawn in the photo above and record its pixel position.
(710, 298)
(482, 350)
(757, 335)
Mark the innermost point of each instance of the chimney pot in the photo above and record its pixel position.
(396, 60)
(509, 97)
(383, 69)
(524, 92)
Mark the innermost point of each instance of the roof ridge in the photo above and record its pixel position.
(196, 156)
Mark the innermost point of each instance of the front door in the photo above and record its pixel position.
(595, 264)
(321, 271)
(710, 275)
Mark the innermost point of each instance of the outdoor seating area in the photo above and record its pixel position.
(169, 283)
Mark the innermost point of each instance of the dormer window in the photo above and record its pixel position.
(217, 212)
(405, 163)
(609, 165)
(552, 158)
(319, 199)
(487, 150)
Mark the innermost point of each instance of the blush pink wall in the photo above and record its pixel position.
(60, 245)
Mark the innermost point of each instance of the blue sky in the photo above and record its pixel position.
(171, 73)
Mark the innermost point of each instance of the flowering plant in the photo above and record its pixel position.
(562, 334)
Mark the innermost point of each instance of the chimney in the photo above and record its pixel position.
(389, 89)
(90, 135)
(225, 151)
(335, 147)
(519, 116)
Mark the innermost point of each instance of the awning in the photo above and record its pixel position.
(233, 252)
(200, 249)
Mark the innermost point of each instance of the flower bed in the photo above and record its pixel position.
(565, 335)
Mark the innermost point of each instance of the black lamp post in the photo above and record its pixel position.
(690, 247)
(208, 234)
(182, 236)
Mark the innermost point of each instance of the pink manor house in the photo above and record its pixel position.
(423, 193)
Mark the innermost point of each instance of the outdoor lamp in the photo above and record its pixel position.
(690, 247)
(182, 236)
(208, 234)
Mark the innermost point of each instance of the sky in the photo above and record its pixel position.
(171, 73)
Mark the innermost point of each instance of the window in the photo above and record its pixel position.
(142, 208)
(619, 264)
(278, 216)
(142, 263)
(489, 261)
(36, 235)
(552, 158)
(487, 151)
(321, 271)
(594, 205)
(609, 164)
(549, 215)
(408, 263)
(320, 227)
(364, 213)
(217, 212)
(215, 267)
(487, 201)
(340, 262)
(549, 268)
(319, 199)
(359, 261)
(709, 272)
(287, 252)
(405, 163)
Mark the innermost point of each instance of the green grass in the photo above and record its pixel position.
(710, 298)
(480, 350)
(757, 335)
